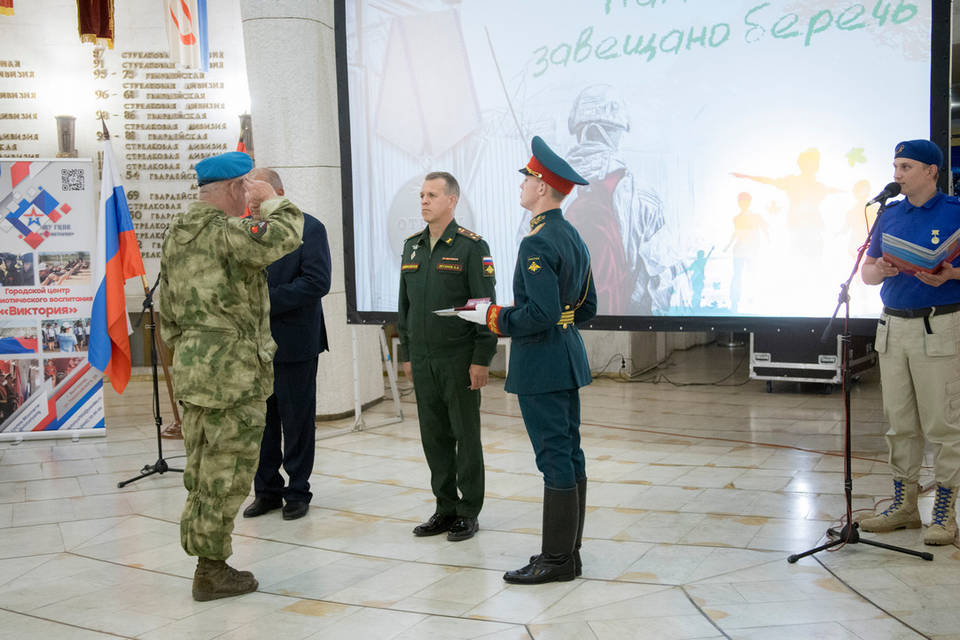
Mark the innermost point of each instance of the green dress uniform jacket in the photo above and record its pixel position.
(553, 291)
(448, 276)
(441, 351)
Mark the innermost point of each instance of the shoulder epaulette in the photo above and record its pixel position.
(470, 234)
(414, 235)
(536, 229)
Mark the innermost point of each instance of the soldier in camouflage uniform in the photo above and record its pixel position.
(215, 316)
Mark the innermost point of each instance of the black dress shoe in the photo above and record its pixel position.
(260, 506)
(294, 510)
(577, 563)
(543, 569)
(463, 529)
(438, 523)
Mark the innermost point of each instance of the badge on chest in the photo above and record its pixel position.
(449, 264)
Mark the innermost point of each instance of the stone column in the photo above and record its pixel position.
(291, 70)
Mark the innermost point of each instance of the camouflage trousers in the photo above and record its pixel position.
(223, 449)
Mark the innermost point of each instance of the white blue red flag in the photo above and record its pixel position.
(18, 345)
(118, 258)
(186, 22)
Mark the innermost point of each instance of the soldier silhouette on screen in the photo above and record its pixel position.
(616, 216)
(806, 194)
(697, 274)
(750, 234)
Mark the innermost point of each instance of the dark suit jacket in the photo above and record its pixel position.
(297, 281)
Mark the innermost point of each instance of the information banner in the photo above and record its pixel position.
(47, 241)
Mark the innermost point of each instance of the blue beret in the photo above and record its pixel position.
(920, 150)
(551, 168)
(225, 166)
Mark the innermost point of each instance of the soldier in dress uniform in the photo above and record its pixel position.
(443, 266)
(553, 290)
(215, 316)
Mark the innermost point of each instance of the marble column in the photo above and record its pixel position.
(291, 70)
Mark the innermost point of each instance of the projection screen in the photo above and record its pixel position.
(730, 146)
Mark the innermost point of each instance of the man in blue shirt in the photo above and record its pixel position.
(66, 339)
(917, 339)
(553, 291)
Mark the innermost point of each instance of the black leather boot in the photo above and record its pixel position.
(582, 504)
(555, 562)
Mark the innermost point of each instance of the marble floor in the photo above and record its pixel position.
(697, 495)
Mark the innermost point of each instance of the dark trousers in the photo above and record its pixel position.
(291, 416)
(449, 415)
(553, 424)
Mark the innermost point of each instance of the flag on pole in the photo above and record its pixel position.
(118, 259)
(95, 21)
(186, 22)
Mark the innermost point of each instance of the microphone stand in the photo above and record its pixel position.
(850, 532)
(160, 466)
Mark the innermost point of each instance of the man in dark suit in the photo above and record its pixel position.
(296, 282)
(553, 291)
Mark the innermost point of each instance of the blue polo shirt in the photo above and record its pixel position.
(916, 225)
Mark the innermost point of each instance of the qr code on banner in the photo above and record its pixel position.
(72, 180)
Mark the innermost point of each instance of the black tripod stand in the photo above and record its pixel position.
(850, 533)
(160, 466)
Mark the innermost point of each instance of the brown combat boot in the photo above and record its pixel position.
(901, 514)
(215, 579)
(943, 527)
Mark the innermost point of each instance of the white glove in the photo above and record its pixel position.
(478, 315)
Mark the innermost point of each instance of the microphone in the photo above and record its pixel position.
(889, 191)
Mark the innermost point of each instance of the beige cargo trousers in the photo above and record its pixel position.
(920, 377)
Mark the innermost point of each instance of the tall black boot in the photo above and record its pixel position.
(582, 505)
(555, 562)
(582, 508)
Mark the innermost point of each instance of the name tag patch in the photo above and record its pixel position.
(409, 266)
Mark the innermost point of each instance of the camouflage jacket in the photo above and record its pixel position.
(213, 302)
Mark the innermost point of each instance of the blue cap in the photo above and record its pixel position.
(551, 168)
(920, 150)
(225, 166)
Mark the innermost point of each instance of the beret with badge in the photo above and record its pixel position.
(225, 166)
(920, 150)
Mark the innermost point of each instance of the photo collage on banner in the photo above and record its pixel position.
(47, 240)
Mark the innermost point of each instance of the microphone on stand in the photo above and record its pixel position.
(889, 191)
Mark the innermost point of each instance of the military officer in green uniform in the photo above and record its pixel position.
(215, 316)
(443, 266)
(553, 290)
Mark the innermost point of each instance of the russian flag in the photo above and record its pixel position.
(18, 345)
(118, 258)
